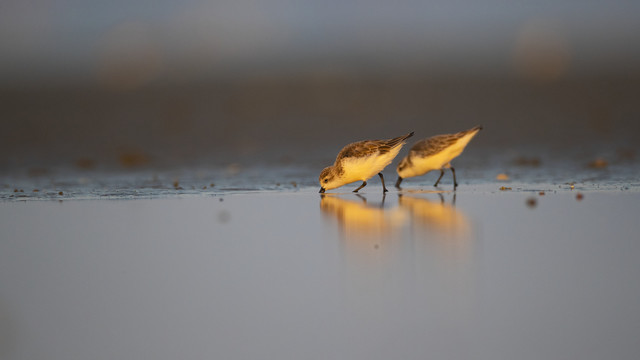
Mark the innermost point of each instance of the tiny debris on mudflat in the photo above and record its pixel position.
(598, 163)
(525, 161)
(532, 202)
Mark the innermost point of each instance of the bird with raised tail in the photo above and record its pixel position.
(435, 153)
(360, 161)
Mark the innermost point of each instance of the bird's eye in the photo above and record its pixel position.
(326, 180)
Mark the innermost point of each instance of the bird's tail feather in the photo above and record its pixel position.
(395, 141)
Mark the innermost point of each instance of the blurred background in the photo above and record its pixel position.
(159, 83)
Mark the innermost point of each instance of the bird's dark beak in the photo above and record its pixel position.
(398, 182)
(321, 190)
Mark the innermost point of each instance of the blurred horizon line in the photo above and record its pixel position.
(139, 42)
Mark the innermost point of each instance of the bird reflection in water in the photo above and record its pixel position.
(447, 228)
(435, 225)
(359, 218)
(418, 244)
(443, 240)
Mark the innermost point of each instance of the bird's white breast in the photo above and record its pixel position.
(422, 165)
(364, 168)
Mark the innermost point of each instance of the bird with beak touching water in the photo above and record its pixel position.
(360, 161)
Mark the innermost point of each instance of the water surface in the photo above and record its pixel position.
(290, 274)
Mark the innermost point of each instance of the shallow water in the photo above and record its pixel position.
(479, 169)
(243, 270)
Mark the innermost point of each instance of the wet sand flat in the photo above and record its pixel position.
(289, 274)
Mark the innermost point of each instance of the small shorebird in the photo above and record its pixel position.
(435, 153)
(360, 161)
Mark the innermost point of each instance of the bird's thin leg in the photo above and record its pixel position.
(440, 177)
(384, 188)
(398, 182)
(455, 183)
(364, 183)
